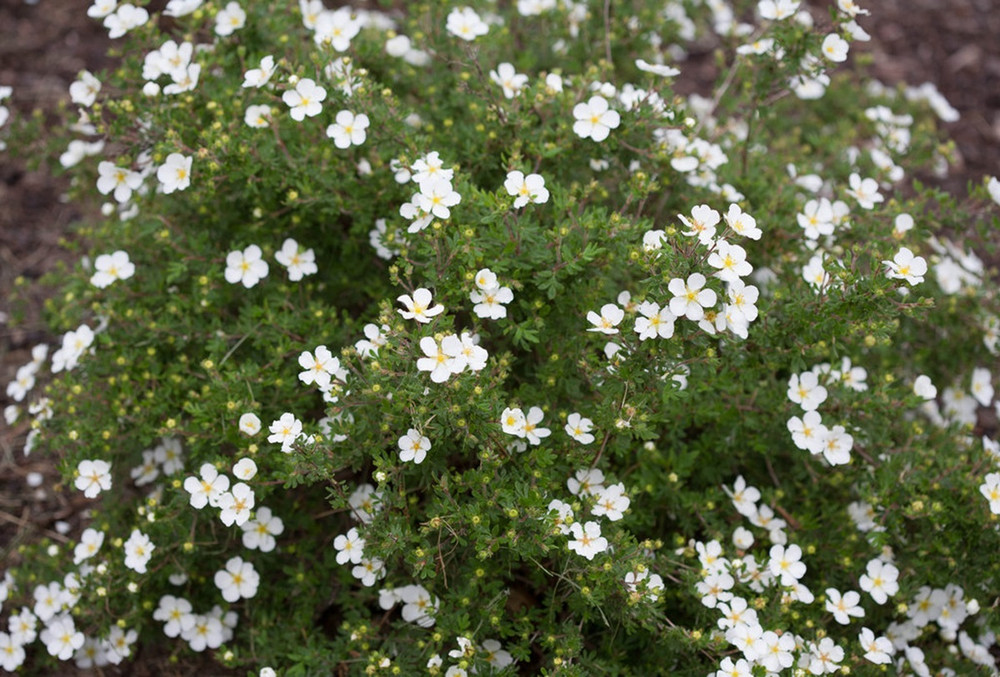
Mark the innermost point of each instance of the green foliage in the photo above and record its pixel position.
(181, 352)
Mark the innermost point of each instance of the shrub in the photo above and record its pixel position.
(418, 342)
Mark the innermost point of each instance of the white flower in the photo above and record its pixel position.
(249, 424)
(731, 260)
(111, 267)
(510, 80)
(138, 551)
(612, 502)
(235, 505)
(525, 189)
(690, 298)
(742, 223)
(993, 188)
(843, 607)
(701, 224)
(656, 69)
(123, 20)
(118, 180)
(336, 28)
(245, 469)
(579, 428)
(491, 303)
(804, 389)
(229, 19)
(923, 387)
(587, 540)
(419, 307)
(286, 431)
(85, 89)
(350, 547)
(786, 563)
(436, 361)
(175, 173)
(413, 446)
(374, 339)
(880, 580)
(611, 315)
(436, 197)
(348, 130)
(865, 191)
(61, 638)
(258, 116)
(368, 571)
(586, 482)
(93, 477)
(512, 421)
(298, 262)
(981, 388)
(247, 267)
(464, 23)
(206, 489)
(594, 119)
(305, 100)
(258, 77)
(776, 10)
(11, 652)
(906, 266)
(654, 321)
(91, 541)
(836, 445)
(877, 650)
(239, 580)
(319, 367)
(835, 48)
(531, 431)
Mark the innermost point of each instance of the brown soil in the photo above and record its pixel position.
(952, 43)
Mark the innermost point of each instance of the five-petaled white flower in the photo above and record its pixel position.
(305, 100)
(286, 430)
(595, 119)
(805, 390)
(606, 323)
(587, 540)
(258, 116)
(612, 502)
(175, 173)
(299, 262)
(413, 446)
(877, 650)
(579, 428)
(690, 298)
(835, 48)
(654, 321)
(93, 477)
(786, 563)
(418, 307)
(119, 180)
(865, 191)
(239, 580)
(879, 580)
(258, 77)
(229, 19)
(906, 266)
(319, 367)
(435, 360)
(464, 23)
(350, 547)
(138, 551)
(509, 79)
(525, 189)
(206, 489)
(247, 267)
(349, 129)
(111, 267)
(845, 606)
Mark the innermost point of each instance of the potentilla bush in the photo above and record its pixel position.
(450, 339)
